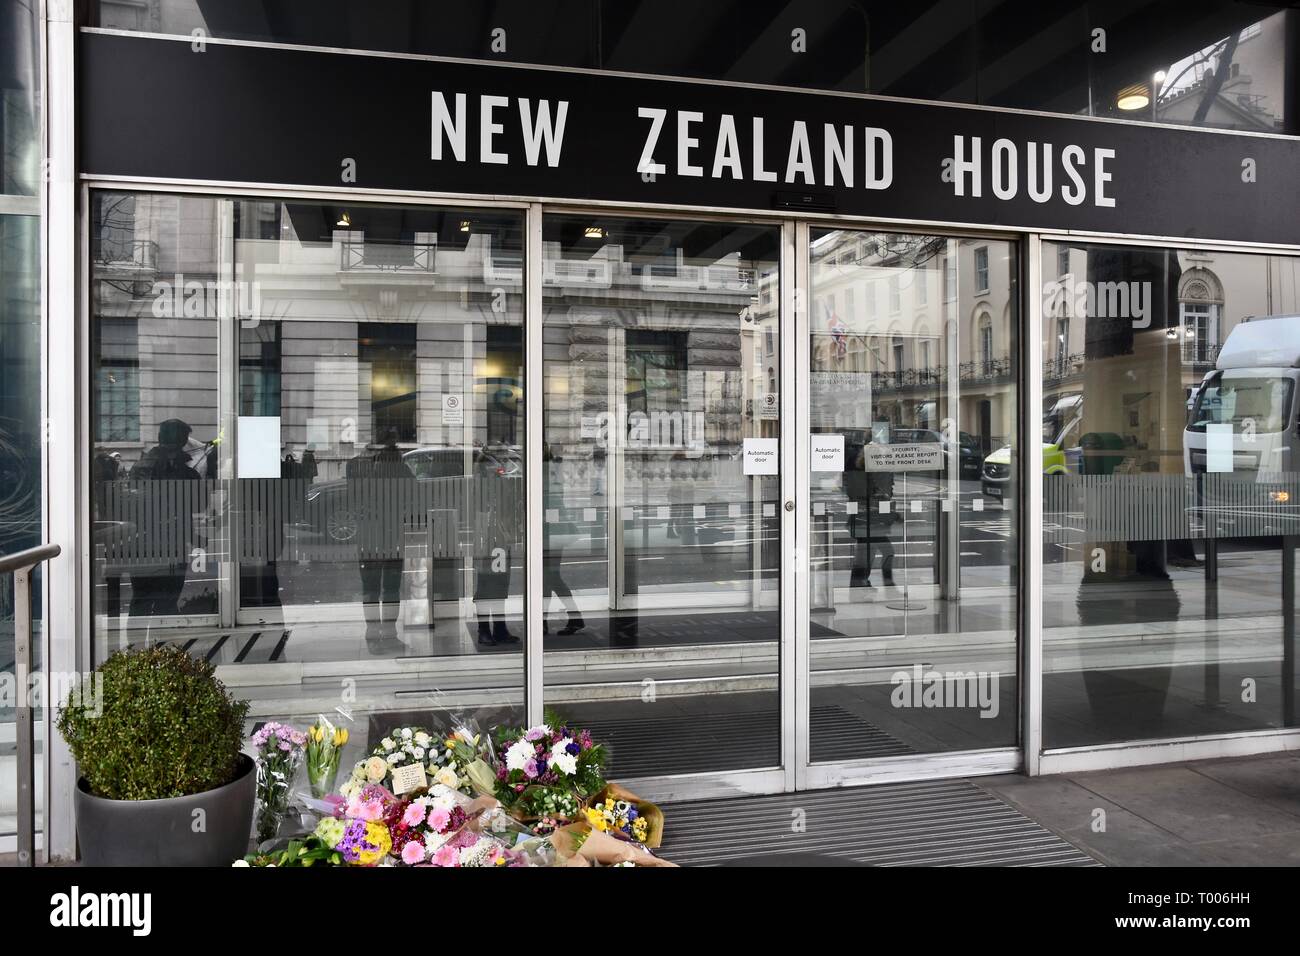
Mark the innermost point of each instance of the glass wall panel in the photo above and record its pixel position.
(1170, 429)
(661, 547)
(913, 403)
(20, 364)
(308, 449)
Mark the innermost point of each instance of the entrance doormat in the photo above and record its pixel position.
(923, 823)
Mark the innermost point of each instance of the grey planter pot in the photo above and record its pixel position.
(162, 832)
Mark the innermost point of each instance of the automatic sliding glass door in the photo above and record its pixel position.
(661, 531)
(913, 532)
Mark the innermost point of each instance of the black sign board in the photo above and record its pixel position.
(181, 109)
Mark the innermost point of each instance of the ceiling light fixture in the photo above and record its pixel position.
(594, 232)
(1135, 97)
(344, 220)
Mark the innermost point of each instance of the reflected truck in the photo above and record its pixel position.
(1242, 439)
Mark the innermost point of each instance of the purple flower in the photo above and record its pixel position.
(353, 842)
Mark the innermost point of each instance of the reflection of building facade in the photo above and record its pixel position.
(930, 322)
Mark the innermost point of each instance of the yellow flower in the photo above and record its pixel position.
(596, 819)
(340, 737)
(376, 834)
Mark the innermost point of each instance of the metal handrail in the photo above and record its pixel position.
(29, 558)
(21, 564)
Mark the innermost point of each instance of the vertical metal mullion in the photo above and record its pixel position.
(228, 491)
(534, 385)
(25, 739)
(65, 508)
(1030, 479)
(795, 568)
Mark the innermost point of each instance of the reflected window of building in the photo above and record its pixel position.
(981, 269)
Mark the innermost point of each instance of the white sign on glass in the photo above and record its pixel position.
(827, 452)
(1218, 447)
(453, 409)
(259, 446)
(925, 456)
(760, 456)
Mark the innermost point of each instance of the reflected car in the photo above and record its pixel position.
(334, 515)
(1061, 456)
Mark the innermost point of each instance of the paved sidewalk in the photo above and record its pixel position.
(1240, 811)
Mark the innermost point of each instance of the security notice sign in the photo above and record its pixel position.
(918, 457)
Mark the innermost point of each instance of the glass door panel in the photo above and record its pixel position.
(912, 408)
(661, 539)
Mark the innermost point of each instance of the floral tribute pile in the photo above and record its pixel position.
(532, 796)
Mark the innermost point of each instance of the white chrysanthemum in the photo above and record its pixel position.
(565, 763)
(519, 753)
(387, 743)
(395, 758)
(561, 759)
(406, 733)
(442, 796)
(417, 753)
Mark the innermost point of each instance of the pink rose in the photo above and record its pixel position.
(413, 853)
(446, 856)
(438, 818)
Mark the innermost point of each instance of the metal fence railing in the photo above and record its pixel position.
(21, 564)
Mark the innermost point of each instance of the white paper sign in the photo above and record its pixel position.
(407, 778)
(769, 405)
(259, 447)
(827, 452)
(590, 428)
(1218, 447)
(760, 456)
(924, 456)
(453, 410)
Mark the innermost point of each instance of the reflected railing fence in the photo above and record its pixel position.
(1161, 507)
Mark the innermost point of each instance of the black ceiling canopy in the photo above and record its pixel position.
(1024, 54)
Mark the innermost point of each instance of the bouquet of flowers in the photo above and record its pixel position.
(324, 748)
(279, 751)
(360, 835)
(444, 760)
(422, 826)
(618, 817)
(547, 772)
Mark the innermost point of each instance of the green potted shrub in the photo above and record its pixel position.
(163, 780)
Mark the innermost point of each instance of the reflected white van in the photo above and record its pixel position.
(1243, 418)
